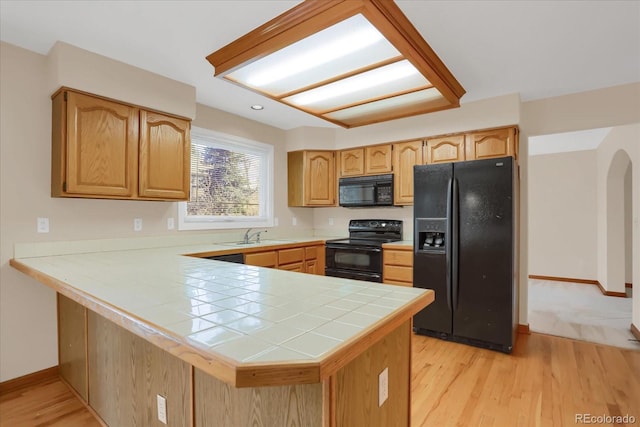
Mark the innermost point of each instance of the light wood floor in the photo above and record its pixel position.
(545, 382)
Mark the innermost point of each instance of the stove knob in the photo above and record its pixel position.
(373, 223)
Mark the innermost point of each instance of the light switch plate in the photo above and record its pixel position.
(383, 386)
(294, 221)
(171, 224)
(330, 221)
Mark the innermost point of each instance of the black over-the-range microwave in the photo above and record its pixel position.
(375, 190)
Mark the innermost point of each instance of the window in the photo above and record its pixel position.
(231, 183)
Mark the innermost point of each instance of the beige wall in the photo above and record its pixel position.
(562, 215)
(28, 339)
(628, 225)
(619, 151)
(615, 106)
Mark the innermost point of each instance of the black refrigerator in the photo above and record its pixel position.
(464, 241)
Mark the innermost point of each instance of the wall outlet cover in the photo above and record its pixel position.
(171, 224)
(137, 224)
(162, 409)
(383, 386)
(43, 225)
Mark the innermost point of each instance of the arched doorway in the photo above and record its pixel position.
(618, 222)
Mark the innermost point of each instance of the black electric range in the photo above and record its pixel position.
(360, 255)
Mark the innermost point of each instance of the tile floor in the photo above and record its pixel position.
(580, 311)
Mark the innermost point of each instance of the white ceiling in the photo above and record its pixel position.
(536, 48)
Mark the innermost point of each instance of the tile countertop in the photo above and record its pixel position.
(242, 324)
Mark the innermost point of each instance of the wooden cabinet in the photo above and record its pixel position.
(311, 178)
(291, 259)
(397, 265)
(103, 148)
(445, 149)
(352, 162)
(304, 259)
(164, 156)
(491, 143)
(377, 159)
(314, 260)
(405, 156)
(369, 160)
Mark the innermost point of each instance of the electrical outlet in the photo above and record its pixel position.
(171, 224)
(294, 221)
(43, 225)
(137, 224)
(330, 221)
(275, 221)
(383, 386)
(162, 409)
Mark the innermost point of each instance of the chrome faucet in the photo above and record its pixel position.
(247, 236)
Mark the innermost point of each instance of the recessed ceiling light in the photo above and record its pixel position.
(352, 63)
(257, 107)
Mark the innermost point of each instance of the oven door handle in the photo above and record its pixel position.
(355, 248)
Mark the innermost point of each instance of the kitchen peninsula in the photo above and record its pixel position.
(227, 344)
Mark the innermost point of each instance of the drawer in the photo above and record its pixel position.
(261, 259)
(397, 274)
(288, 256)
(397, 257)
(310, 252)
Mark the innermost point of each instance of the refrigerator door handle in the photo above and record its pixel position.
(455, 241)
(447, 242)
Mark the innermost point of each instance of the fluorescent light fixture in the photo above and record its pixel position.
(351, 62)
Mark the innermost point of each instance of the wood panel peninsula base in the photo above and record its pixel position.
(118, 355)
(124, 374)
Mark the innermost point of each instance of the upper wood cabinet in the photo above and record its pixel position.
(369, 160)
(491, 143)
(445, 149)
(164, 156)
(405, 156)
(377, 159)
(108, 149)
(311, 178)
(352, 162)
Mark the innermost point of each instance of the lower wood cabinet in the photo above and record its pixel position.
(397, 265)
(304, 259)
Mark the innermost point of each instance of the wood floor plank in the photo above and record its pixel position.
(544, 383)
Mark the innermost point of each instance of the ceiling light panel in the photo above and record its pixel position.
(395, 107)
(351, 62)
(391, 79)
(343, 48)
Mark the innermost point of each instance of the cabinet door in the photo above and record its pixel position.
(405, 156)
(492, 143)
(319, 178)
(352, 162)
(314, 260)
(377, 159)
(102, 143)
(165, 155)
(446, 149)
